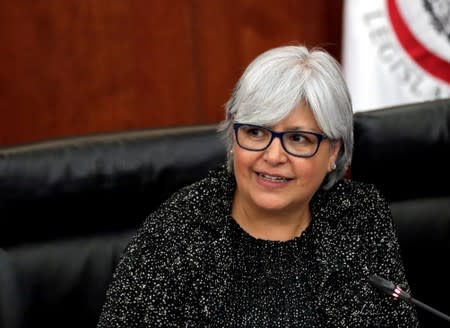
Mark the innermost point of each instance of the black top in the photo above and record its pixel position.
(192, 265)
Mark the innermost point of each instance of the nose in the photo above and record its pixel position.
(275, 153)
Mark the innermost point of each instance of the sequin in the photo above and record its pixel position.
(191, 265)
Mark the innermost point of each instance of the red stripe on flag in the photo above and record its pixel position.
(430, 62)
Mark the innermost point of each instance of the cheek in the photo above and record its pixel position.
(311, 171)
(242, 160)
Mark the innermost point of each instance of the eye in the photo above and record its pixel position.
(299, 138)
(254, 131)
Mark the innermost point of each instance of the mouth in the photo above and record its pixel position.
(273, 178)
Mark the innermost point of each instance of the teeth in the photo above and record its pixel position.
(272, 178)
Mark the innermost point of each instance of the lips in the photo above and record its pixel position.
(273, 177)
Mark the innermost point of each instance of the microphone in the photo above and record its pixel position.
(396, 292)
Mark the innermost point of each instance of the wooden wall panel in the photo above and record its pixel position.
(217, 56)
(65, 68)
(75, 67)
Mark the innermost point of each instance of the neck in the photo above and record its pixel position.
(276, 225)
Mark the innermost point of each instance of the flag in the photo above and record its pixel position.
(396, 51)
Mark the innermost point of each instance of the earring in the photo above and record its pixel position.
(333, 166)
(231, 151)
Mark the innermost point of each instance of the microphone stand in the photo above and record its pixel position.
(396, 292)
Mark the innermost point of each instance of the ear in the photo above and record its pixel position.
(335, 147)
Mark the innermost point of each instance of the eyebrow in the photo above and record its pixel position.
(298, 128)
(295, 128)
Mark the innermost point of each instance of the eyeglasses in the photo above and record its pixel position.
(296, 143)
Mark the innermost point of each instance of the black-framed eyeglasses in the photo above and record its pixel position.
(296, 143)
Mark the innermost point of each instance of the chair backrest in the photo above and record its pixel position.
(68, 207)
(404, 151)
(104, 183)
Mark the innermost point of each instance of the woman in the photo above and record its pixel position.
(275, 238)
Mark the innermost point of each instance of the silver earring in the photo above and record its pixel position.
(333, 166)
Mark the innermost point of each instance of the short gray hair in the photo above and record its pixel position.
(279, 80)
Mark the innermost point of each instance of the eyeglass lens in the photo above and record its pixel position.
(299, 143)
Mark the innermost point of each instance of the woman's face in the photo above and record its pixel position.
(274, 180)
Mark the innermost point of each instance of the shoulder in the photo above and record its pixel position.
(358, 193)
(200, 197)
(178, 230)
(200, 203)
(349, 193)
(353, 203)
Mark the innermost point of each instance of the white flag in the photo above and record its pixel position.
(396, 51)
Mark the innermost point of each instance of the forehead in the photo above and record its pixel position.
(301, 117)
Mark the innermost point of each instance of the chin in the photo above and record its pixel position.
(271, 203)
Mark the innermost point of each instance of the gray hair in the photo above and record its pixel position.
(279, 80)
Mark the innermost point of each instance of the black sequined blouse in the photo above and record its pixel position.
(191, 265)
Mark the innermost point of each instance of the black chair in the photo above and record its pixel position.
(68, 207)
(405, 151)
